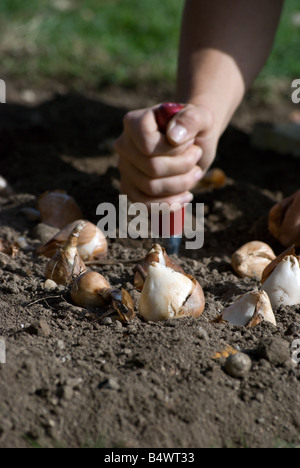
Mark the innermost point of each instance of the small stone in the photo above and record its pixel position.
(275, 350)
(260, 397)
(238, 365)
(40, 328)
(60, 344)
(65, 392)
(50, 285)
(110, 383)
(131, 330)
(106, 321)
(202, 334)
(117, 324)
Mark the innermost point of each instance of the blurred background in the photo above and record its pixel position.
(90, 45)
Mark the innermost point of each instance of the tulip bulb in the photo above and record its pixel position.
(251, 259)
(91, 289)
(282, 283)
(92, 243)
(168, 294)
(249, 310)
(157, 254)
(284, 221)
(58, 209)
(66, 263)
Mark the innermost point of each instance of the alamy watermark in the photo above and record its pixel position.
(160, 221)
(296, 93)
(2, 92)
(2, 352)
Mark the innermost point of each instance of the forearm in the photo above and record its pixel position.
(224, 45)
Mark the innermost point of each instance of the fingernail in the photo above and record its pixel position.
(177, 133)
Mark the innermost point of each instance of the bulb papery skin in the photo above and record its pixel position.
(164, 293)
(240, 312)
(249, 310)
(283, 284)
(251, 259)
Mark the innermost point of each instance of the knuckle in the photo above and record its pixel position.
(153, 168)
(151, 187)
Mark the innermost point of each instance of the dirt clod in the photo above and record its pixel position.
(275, 350)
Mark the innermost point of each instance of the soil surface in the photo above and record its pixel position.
(74, 380)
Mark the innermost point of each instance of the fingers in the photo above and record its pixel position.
(159, 166)
(135, 195)
(159, 188)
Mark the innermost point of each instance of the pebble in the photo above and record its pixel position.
(117, 325)
(110, 383)
(65, 392)
(50, 285)
(106, 321)
(40, 328)
(201, 333)
(238, 365)
(275, 350)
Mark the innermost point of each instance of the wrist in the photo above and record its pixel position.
(213, 82)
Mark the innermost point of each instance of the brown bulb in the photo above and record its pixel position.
(66, 263)
(91, 290)
(92, 243)
(58, 209)
(284, 221)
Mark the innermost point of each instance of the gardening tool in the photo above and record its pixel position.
(175, 220)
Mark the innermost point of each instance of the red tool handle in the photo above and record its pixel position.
(163, 115)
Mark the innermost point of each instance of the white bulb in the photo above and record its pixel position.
(242, 311)
(283, 285)
(164, 293)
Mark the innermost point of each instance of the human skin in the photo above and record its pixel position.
(224, 45)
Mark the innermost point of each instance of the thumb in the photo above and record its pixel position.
(187, 124)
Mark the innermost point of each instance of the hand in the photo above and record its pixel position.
(164, 168)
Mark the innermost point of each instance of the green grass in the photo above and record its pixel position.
(94, 42)
(103, 41)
